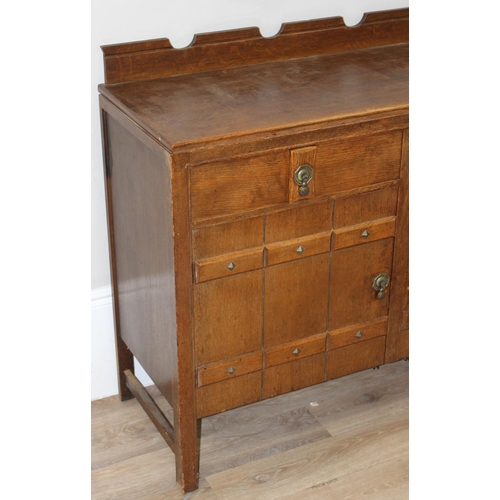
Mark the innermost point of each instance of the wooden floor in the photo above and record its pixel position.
(345, 439)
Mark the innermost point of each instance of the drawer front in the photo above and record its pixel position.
(363, 233)
(229, 368)
(227, 238)
(229, 264)
(365, 207)
(287, 377)
(229, 394)
(295, 350)
(298, 222)
(355, 358)
(238, 185)
(357, 333)
(357, 162)
(228, 317)
(298, 249)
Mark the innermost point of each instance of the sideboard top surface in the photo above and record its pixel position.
(224, 103)
(234, 84)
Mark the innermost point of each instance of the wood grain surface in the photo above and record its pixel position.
(363, 233)
(365, 207)
(288, 313)
(353, 298)
(190, 109)
(226, 238)
(232, 304)
(298, 222)
(226, 49)
(352, 444)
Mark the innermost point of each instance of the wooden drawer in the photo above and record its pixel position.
(363, 233)
(358, 161)
(295, 350)
(356, 333)
(222, 396)
(365, 207)
(238, 185)
(229, 368)
(298, 248)
(356, 357)
(229, 264)
(287, 377)
(227, 238)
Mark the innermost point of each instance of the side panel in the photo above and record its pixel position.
(141, 206)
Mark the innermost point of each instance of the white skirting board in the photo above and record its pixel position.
(103, 365)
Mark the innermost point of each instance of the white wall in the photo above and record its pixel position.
(115, 21)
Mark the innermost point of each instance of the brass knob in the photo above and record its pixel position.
(300, 249)
(359, 334)
(231, 370)
(365, 234)
(231, 266)
(296, 351)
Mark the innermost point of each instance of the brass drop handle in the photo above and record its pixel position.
(380, 283)
(302, 177)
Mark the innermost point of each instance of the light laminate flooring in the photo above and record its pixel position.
(350, 444)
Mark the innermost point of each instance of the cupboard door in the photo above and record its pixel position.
(352, 296)
(295, 299)
(228, 317)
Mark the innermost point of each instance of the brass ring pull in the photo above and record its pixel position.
(302, 177)
(380, 283)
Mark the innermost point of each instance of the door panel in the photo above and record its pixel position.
(228, 317)
(295, 299)
(352, 296)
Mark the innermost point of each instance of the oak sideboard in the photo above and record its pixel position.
(257, 201)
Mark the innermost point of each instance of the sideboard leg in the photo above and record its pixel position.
(187, 457)
(124, 361)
